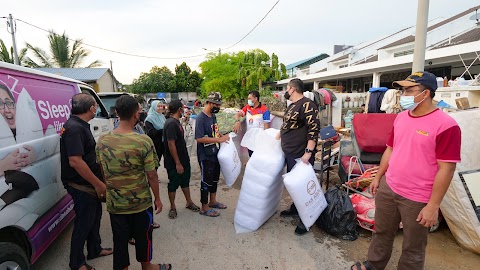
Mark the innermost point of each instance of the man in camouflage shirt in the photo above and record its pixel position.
(128, 163)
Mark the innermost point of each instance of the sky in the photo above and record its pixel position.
(294, 29)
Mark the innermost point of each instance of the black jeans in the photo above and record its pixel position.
(86, 227)
(210, 176)
(290, 160)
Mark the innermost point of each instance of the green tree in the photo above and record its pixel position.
(63, 54)
(257, 67)
(195, 82)
(182, 77)
(7, 55)
(156, 80)
(220, 74)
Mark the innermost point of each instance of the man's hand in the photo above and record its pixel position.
(179, 168)
(306, 157)
(158, 206)
(428, 216)
(237, 127)
(101, 190)
(224, 138)
(374, 186)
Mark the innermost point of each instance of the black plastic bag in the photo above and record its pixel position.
(339, 219)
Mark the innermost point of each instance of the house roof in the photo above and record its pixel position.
(307, 61)
(402, 41)
(435, 26)
(371, 58)
(81, 74)
(451, 19)
(343, 57)
(469, 36)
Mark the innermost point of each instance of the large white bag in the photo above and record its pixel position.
(230, 163)
(307, 194)
(262, 184)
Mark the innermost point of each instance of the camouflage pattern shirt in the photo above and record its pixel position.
(124, 159)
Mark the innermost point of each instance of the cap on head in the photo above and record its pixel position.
(215, 97)
(424, 78)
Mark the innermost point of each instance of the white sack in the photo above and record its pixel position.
(230, 163)
(262, 184)
(456, 206)
(307, 194)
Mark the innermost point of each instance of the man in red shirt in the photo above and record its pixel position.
(256, 115)
(419, 163)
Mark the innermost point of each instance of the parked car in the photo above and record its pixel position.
(109, 99)
(34, 205)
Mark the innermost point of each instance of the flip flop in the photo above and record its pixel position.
(164, 266)
(101, 255)
(210, 213)
(218, 205)
(193, 207)
(155, 225)
(359, 265)
(172, 214)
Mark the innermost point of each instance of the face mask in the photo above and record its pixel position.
(286, 95)
(408, 102)
(250, 103)
(215, 110)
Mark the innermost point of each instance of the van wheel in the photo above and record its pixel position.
(12, 257)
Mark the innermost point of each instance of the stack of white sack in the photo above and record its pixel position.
(307, 194)
(262, 184)
(230, 163)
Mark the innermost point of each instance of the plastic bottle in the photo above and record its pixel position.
(445, 82)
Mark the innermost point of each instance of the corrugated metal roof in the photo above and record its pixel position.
(311, 60)
(81, 74)
(470, 36)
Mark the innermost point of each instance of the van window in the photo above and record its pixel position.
(101, 111)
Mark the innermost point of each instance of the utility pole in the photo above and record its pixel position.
(420, 36)
(12, 31)
(219, 51)
(113, 77)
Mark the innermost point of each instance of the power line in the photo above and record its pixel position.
(254, 26)
(155, 57)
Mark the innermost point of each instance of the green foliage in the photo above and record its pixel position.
(157, 80)
(63, 54)
(7, 56)
(163, 80)
(220, 73)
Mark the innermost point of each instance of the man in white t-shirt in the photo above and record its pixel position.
(419, 163)
(257, 115)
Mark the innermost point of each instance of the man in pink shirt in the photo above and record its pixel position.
(419, 163)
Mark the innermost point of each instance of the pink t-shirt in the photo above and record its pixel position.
(418, 144)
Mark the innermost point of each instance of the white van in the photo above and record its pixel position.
(34, 206)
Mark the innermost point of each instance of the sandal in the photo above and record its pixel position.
(109, 251)
(172, 214)
(218, 205)
(366, 266)
(155, 225)
(193, 207)
(89, 267)
(164, 266)
(210, 213)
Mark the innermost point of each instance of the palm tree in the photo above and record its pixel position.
(62, 55)
(7, 56)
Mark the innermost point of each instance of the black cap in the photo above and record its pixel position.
(424, 78)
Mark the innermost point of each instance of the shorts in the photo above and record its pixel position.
(137, 226)
(179, 180)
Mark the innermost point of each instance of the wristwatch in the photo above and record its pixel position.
(308, 150)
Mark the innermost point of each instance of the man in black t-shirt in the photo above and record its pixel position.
(82, 177)
(299, 134)
(208, 140)
(177, 160)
